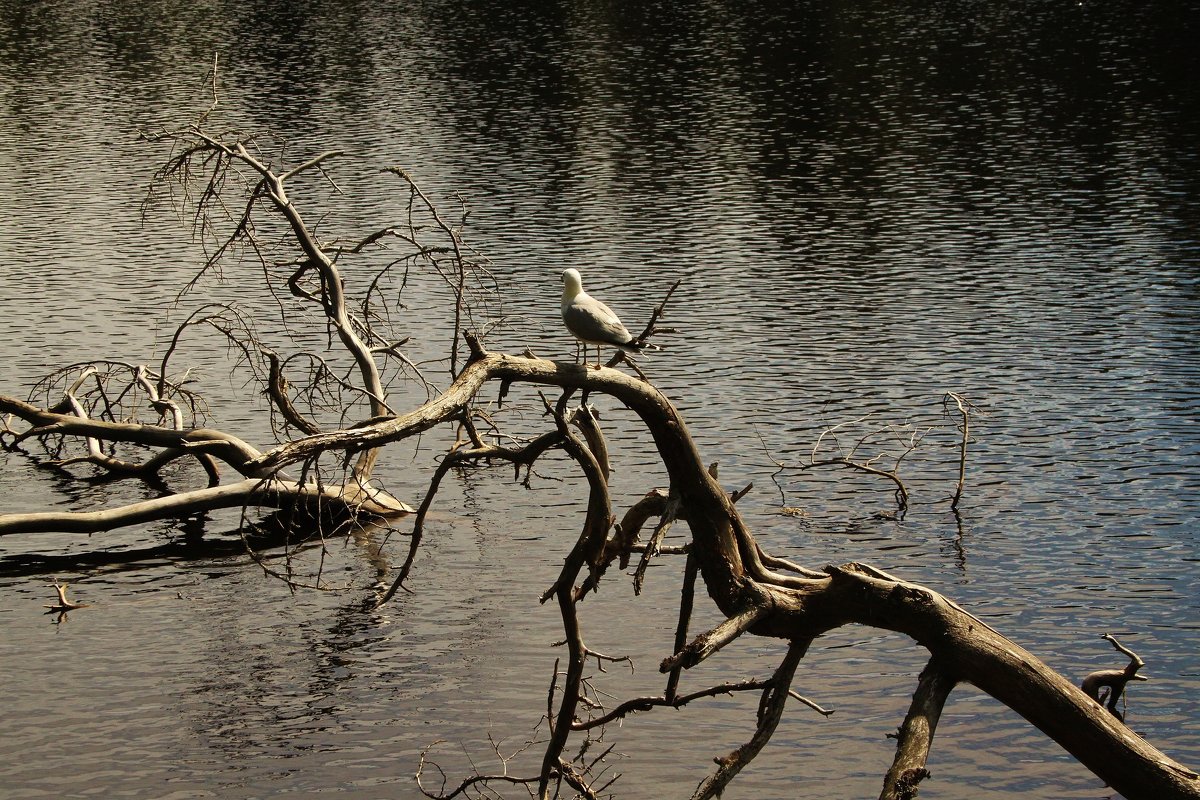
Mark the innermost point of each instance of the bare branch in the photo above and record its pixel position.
(771, 707)
(710, 642)
(1114, 680)
(916, 733)
(964, 407)
(268, 493)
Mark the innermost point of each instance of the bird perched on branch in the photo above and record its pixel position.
(592, 322)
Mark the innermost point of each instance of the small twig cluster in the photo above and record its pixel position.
(881, 450)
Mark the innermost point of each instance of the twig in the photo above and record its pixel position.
(63, 605)
(964, 407)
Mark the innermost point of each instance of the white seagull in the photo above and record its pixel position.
(590, 321)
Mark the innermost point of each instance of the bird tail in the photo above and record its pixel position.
(637, 348)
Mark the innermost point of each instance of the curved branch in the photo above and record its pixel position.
(277, 389)
(891, 475)
(586, 550)
(976, 653)
(1114, 679)
(230, 449)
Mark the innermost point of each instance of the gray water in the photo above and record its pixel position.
(869, 205)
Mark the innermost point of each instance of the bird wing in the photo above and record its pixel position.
(593, 322)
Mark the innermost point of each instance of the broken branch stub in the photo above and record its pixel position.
(1115, 680)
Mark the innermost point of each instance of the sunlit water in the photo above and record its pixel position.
(868, 207)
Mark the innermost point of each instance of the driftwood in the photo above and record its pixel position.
(92, 408)
(762, 601)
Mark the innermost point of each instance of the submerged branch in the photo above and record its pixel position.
(770, 711)
(260, 493)
(1115, 680)
(916, 734)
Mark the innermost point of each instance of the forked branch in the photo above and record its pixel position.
(1114, 680)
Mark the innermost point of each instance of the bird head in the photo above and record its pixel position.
(572, 283)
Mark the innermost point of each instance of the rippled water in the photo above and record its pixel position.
(868, 204)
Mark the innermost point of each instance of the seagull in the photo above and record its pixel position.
(590, 321)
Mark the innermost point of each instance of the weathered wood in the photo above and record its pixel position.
(915, 738)
(758, 594)
(978, 654)
(805, 607)
(262, 494)
(1114, 679)
(756, 598)
(226, 447)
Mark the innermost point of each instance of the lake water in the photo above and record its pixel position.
(869, 205)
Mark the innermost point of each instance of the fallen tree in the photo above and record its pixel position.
(90, 416)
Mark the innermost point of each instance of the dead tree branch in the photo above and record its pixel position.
(770, 711)
(269, 493)
(1114, 680)
(755, 598)
(964, 407)
(915, 738)
(234, 188)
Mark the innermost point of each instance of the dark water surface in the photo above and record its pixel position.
(870, 204)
